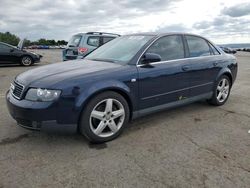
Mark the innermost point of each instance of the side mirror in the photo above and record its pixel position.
(150, 58)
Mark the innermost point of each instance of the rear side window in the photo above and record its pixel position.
(214, 50)
(74, 41)
(169, 48)
(197, 46)
(93, 41)
(107, 39)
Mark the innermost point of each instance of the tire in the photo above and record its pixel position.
(221, 91)
(26, 61)
(104, 117)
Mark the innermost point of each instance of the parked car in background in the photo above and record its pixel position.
(228, 50)
(82, 44)
(126, 78)
(62, 46)
(43, 47)
(11, 54)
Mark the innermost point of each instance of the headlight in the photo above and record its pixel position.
(37, 55)
(42, 94)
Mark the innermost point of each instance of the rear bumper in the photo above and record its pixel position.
(37, 115)
(66, 58)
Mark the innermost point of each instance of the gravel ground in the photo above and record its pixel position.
(192, 146)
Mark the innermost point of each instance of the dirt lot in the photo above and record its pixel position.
(193, 146)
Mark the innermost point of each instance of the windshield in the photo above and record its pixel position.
(74, 41)
(120, 50)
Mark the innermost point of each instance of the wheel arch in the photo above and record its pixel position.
(24, 55)
(226, 72)
(89, 94)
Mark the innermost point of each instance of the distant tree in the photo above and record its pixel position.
(27, 43)
(12, 39)
(51, 42)
(62, 42)
(42, 42)
(9, 38)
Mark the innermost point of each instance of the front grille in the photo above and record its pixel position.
(18, 90)
(24, 122)
(29, 124)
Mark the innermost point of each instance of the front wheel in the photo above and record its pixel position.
(26, 61)
(221, 91)
(104, 117)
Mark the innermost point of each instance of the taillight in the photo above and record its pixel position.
(82, 50)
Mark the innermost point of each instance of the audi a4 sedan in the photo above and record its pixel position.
(129, 77)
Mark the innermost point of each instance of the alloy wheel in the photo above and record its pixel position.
(223, 89)
(107, 117)
(26, 61)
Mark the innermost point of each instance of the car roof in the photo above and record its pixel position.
(159, 34)
(99, 33)
(7, 44)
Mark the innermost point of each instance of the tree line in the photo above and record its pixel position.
(12, 39)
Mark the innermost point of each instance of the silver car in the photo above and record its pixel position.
(82, 44)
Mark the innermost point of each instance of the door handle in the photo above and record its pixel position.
(185, 68)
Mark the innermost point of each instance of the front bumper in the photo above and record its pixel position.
(43, 116)
(37, 59)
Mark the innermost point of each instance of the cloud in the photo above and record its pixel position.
(223, 27)
(173, 28)
(59, 19)
(237, 10)
(202, 25)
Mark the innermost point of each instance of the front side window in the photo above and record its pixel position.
(169, 48)
(197, 46)
(93, 41)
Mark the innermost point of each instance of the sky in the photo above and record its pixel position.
(222, 21)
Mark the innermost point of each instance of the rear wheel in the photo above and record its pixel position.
(104, 117)
(221, 91)
(26, 61)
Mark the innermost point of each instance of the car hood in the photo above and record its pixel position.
(21, 44)
(49, 75)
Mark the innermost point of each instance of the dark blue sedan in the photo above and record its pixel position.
(130, 76)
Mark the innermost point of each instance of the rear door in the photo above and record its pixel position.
(203, 65)
(164, 82)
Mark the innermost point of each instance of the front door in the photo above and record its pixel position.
(165, 81)
(6, 54)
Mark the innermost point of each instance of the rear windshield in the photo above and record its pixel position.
(74, 41)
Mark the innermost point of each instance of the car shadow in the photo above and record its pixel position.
(165, 115)
(63, 138)
(17, 65)
(55, 139)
